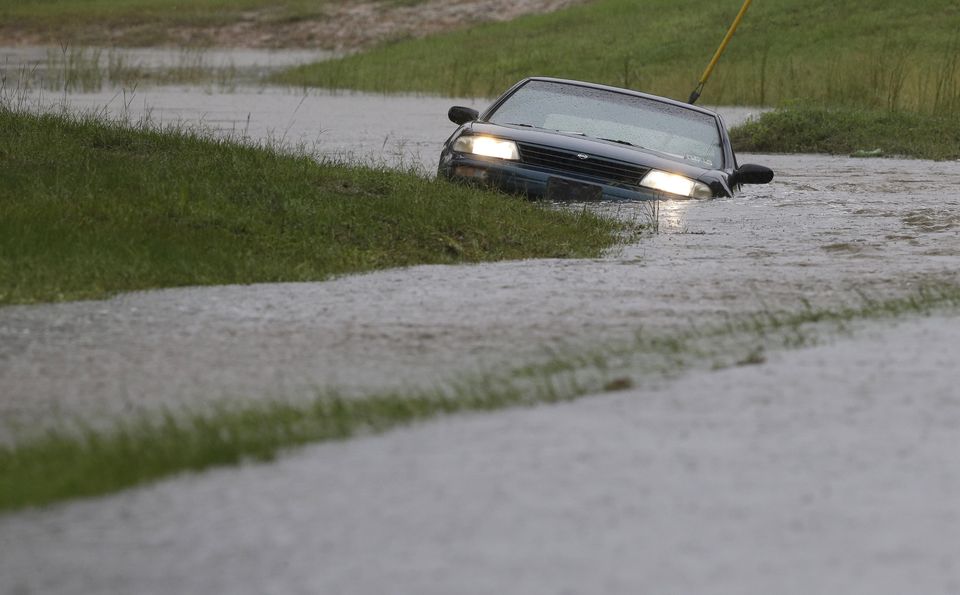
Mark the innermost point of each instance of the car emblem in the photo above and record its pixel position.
(582, 156)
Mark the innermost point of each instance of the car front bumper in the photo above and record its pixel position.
(517, 178)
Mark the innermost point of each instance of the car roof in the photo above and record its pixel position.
(667, 100)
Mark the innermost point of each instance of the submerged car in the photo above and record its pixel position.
(570, 140)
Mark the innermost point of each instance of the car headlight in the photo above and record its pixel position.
(487, 146)
(675, 184)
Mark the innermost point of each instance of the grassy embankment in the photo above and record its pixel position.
(850, 63)
(67, 464)
(158, 22)
(858, 132)
(89, 208)
(143, 22)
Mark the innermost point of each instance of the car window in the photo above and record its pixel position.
(686, 134)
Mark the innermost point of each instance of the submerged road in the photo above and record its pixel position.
(826, 469)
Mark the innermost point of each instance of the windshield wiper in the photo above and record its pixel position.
(621, 142)
(516, 124)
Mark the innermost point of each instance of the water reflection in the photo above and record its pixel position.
(662, 216)
(672, 214)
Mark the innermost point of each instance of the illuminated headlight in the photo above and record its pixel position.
(674, 184)
(487, 146)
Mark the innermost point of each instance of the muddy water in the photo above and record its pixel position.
(827, 229)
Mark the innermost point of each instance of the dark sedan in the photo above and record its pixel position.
(570, 140)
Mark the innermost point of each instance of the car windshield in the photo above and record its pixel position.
(678, 132)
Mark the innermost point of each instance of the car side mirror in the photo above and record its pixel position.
(749, 173)
(461, 115)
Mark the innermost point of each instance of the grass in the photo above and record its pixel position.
(882, 53)
(152, 22)
(852, 131)
(89, 208)
(69, 464)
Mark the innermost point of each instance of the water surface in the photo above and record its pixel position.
(827, 231)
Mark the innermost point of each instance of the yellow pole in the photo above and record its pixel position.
(716, 57)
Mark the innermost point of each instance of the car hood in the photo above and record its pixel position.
(600, 148)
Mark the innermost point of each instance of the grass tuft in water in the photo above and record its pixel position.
(70, 69)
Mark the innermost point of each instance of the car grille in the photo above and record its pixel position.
(610, 171)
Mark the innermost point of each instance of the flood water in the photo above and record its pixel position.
(826, 231)
(46, 66)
